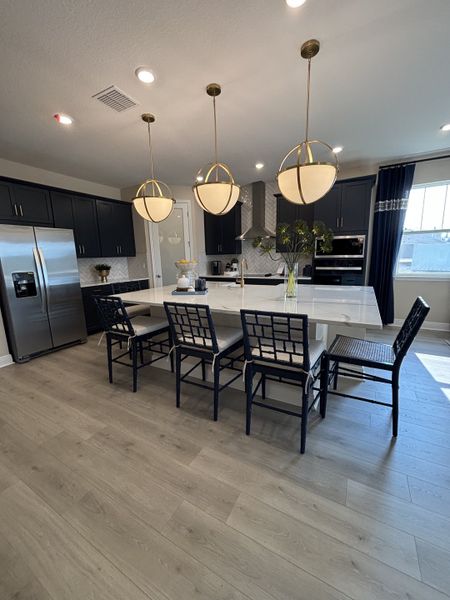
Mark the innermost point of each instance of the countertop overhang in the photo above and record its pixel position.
(355, 306)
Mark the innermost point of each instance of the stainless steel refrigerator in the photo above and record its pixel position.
(40, 290)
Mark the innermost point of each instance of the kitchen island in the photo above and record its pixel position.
(347, 306)
(348, 310)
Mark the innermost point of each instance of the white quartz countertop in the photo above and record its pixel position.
(339, 305)
(84, 284)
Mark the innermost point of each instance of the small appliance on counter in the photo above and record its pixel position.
(216, 267)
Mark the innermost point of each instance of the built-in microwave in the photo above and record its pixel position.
(343, 246)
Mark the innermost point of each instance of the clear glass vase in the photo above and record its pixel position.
(290, 281)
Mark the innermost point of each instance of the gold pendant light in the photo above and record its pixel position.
(153, 200)
(310, 169)
(215, 189)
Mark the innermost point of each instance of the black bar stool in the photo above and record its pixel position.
(277, 347)
(194, 334)
(134, 309)
(375, 355)
(137, 333)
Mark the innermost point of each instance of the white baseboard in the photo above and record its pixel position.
(430, 325)
(6, 360)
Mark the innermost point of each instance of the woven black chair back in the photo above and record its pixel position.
(410, 328)
(113, 315)
(191, 325)
(122, 287)
(276, 338)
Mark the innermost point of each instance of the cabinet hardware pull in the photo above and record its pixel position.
(20, 210)
(337, 221)
(84, 251)
(342, 221)
(15, 210)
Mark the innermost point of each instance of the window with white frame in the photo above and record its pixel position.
(425, 246)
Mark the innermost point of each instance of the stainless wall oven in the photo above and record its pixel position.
(344, 246)
(344, 265)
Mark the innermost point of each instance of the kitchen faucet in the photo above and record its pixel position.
(241, 279)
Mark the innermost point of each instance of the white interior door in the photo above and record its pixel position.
(170, 240)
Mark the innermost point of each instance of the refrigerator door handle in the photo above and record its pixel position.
(41, 280)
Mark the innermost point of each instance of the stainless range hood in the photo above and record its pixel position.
(258, 226)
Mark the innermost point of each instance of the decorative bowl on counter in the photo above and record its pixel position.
(186, 268)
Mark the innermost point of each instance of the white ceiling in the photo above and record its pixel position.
(380, 84)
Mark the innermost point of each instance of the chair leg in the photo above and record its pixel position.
(172, 367)
(335, 380)
(203, 370)
(249, 390)
(178, 375)
(109, 354)
(395, 387)
(263, 386)
(141, 352)
(134, 357)
(304, 423)
(324, 386)
(216, 376)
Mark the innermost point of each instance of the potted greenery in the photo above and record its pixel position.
(103, 271)
(297, 240)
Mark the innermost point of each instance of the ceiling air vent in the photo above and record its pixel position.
(115, 98)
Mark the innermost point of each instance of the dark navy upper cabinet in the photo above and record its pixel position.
(221, 232)
(355, 204)
(33, 204)
(62, 210)
(7, 212)
(115, 225)
(25, 204)
(328, 209)
(78, 213)
(288, 212)
(346, 207)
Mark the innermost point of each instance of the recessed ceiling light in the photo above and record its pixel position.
(259, 165)
(145, 75)
(199, 178)
(63, 119)
(337, 149)
(295, 3)
(445, 127)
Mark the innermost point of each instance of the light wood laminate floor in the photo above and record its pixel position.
(105, 494)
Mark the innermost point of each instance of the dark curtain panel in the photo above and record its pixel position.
(394, 185)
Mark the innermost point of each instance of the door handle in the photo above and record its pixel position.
(45, 273)
(37, 261)
(20, 210)
(16, 212)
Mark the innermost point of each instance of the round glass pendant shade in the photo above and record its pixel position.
(153, 201)
(311, 176)
(216, 197)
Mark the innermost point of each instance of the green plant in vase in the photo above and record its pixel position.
(297, 240)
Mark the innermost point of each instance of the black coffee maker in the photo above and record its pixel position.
(216, 267)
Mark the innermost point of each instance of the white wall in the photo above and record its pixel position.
(50, 178)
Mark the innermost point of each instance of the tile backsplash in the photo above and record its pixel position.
(119, 269)
(257, 263)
